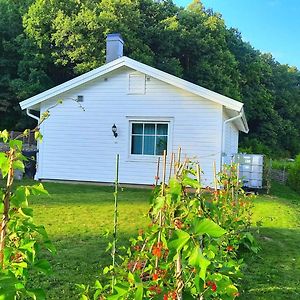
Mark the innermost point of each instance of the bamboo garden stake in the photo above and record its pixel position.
(115, 222)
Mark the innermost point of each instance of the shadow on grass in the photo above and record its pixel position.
(275, 272)
(80, 259)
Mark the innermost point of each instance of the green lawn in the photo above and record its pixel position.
(275, 272)
(75, 216)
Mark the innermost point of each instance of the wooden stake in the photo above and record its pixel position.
(164, 173)
(160, 215)
(115, 222)
(198, 178)
(215, 175)
(178, 276)
(177, 163)
(171, 164)
(157, 172)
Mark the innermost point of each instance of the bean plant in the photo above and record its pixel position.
(21, 240)
(190, 248)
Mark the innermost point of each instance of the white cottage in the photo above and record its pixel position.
(137, 111)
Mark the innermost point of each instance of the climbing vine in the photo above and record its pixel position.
(21, 240)
(190, 248)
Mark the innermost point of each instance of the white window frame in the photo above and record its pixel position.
(144, 120)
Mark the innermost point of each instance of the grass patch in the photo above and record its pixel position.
(275, 272)
(76, 216)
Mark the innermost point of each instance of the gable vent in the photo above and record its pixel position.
(137, 84)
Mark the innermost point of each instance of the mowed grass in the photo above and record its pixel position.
(76, 216)
(275, 272)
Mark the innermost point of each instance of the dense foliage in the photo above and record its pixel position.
(45, 42)
(190, 248)
(21, 240)
(294, 174)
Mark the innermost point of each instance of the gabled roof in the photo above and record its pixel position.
(150, 71)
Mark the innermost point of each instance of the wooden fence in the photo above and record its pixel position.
(29, 142)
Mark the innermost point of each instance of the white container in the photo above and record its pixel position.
(250, 169)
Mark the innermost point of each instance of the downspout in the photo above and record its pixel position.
(240, 115)
(31, 115)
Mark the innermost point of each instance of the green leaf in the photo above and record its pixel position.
(50, 246)
(231, 290)
(44, 266)
(19, 197)
(4, 164)
(36, 294)
(16, 144)
(197, 259)
(4, 135)
(139, 292)
(194, 259)
(26, 211)
(187, 296)
(38, 136)
(28, 246)
(174, 186)
(98, 285)
(179, 242)
(187, 181)
(38, 189)
(121, 291)
(18, 165)
(158, 204)
(207, 226)
(204, 263)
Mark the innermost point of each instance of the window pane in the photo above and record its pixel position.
(149, 145)
(162, 129)
(137, 128)
(161, 144)
(136, 145)
(149, 128)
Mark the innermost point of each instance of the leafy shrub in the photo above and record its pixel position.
(282, 164)
(190, 248)
(20, 239)
(294, 175)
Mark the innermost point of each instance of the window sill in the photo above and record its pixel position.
(144, 158)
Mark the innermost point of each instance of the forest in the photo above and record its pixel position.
(46, 42)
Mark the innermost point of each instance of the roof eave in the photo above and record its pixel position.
(77, 81)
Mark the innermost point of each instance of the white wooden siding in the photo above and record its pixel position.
(79, 145)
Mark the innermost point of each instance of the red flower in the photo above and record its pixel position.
(155, 288)
(171, 295)
(157, 250)
(212, 285)
(178, 224)
(229, 248)
(155, 276)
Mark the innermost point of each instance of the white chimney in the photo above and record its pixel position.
(114, 46)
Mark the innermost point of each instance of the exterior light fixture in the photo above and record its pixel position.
(114, 130)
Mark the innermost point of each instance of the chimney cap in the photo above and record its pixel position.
(114, 37)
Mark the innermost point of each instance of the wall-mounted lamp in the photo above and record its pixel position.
(114, 130)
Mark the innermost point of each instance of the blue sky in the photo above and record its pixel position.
(269, 25)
